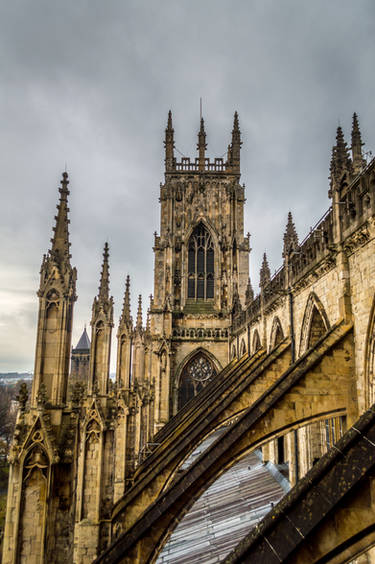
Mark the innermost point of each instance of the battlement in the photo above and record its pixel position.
(188, 165)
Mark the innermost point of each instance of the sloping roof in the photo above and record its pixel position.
(223, 515)
(84, 342)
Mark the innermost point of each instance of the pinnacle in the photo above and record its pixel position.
(265, 273)
(202, 146)
(236, 126)
(340, 161)
(125, 314)
(60, 239)
(290, 236)
(358, 160)
(104, 278)
(139, 313)
(169, 124)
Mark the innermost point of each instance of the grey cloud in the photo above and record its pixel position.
(90, 83)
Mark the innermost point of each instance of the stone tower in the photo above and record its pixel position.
(39, 526)
(201, 262)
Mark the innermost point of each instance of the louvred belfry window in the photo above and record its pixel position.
(201, 264)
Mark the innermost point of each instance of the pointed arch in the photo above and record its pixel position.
(314, 324)
(277, 333)
(242, 347)
(201, 264)
(256, 344)
(194, 372)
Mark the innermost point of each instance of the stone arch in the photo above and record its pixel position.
(277, 333)
(194, 372)
(212, 279)
(314, 324)
(370, 359)
(234, 352)
(256, 342)
(242, 347)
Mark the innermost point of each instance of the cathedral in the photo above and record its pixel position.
(98, 468)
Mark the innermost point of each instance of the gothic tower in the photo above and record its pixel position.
(39, 526)
(201, 262)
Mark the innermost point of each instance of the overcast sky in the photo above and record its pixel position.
(90, 83)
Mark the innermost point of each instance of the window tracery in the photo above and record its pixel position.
(196, 374)
(200, 264)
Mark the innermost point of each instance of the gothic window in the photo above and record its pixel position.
(256, 342)
(196, 374)
(200, 264)
(317, 328)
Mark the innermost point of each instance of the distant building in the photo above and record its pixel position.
(80, 360)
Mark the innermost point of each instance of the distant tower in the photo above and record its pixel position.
(79, 371)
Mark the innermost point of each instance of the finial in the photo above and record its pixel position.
(169, 125)
(169, 144)
(236, 144)
(104, 278)
(202, 146)
(139, 313)
(290, 237)
(265, 273)
(125, 314)
(60, 239)
(358, 160)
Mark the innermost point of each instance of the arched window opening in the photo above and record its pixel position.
(234, 353)
(317, 328)
(243, 347)
(196, 374)
(200, 264)
(277, 334)
(256, 342)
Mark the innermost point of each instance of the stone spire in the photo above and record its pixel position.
(265, 273)
(126, 318)
(340, 161)
(358, 160)
(60, 239)
(202, 145)
(101, 324)
(290, 237)
(57, 294)
(169, 144)
(104, 277)
(236, 144)
(249, 296)
(138, 325)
